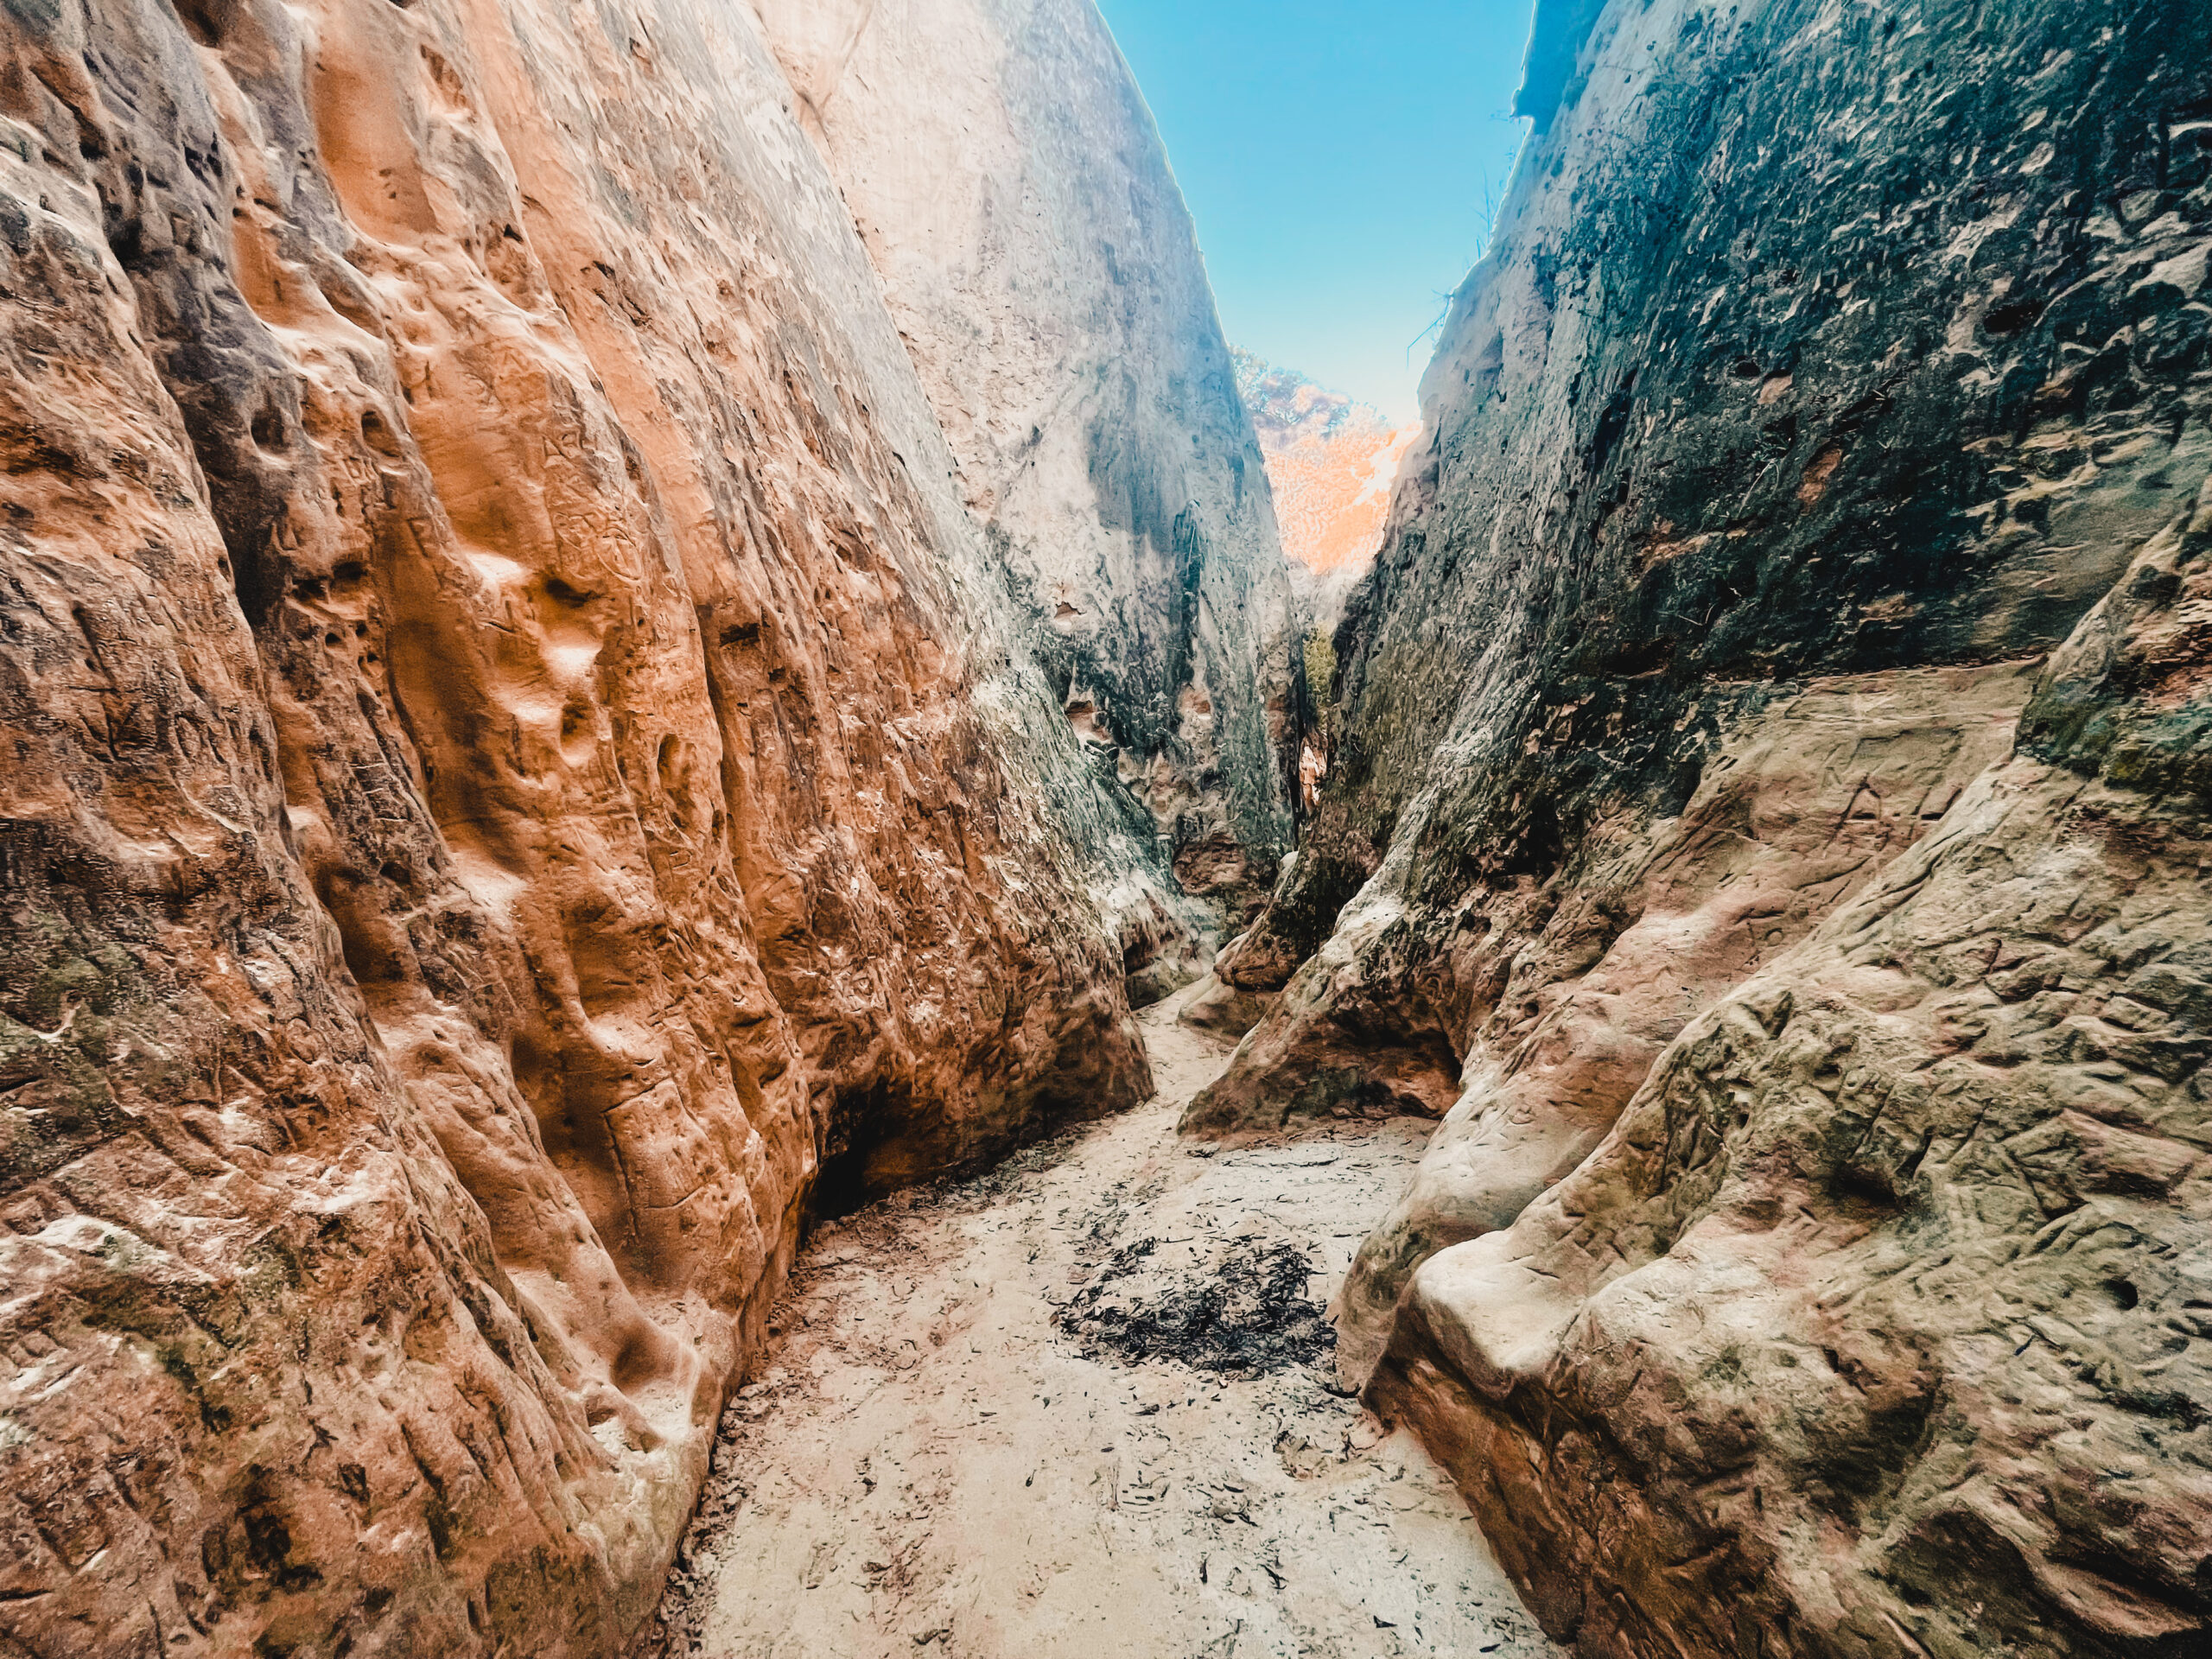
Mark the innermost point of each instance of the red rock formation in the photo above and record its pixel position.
(519, 777)
(1331, 463)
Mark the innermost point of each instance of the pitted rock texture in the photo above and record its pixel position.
(521, 777)
(1014, 193)
(1801, 808)
(1769, 811)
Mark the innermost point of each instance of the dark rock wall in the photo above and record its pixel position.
(1687, 452)
(1808, 1242)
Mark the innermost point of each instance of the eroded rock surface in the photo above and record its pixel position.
(522, 776)
(1768, 813)
(1014, 193)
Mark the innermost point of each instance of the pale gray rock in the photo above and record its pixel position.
(1014, 195)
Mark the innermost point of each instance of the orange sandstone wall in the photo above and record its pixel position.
(516, 776)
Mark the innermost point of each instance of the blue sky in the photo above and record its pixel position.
(1335, 156)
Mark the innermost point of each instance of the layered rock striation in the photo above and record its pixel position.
(1014, 195)
(523, 777)
(1769, 825)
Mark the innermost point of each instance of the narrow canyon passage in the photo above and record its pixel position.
(617, 620)
(1073, 1408)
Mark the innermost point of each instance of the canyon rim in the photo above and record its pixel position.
(625, 627)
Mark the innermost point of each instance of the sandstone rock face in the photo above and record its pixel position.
(1770, 814)
(1331, 463)
(522, 777)
(1014, 195)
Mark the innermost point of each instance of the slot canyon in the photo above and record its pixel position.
(705, 951)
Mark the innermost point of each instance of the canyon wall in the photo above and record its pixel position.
(1013, 191)
(1769, 826)
(523, 777)
(1330, 464)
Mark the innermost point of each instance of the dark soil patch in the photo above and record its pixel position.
(1246, 1311)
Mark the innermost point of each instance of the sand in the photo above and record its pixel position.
(1072, 1408)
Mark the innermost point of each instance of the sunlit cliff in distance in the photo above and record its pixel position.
(1332, 462)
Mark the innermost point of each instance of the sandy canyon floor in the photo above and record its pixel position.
(1073, 1408)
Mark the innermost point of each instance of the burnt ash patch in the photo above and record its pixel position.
(1245, 1311)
